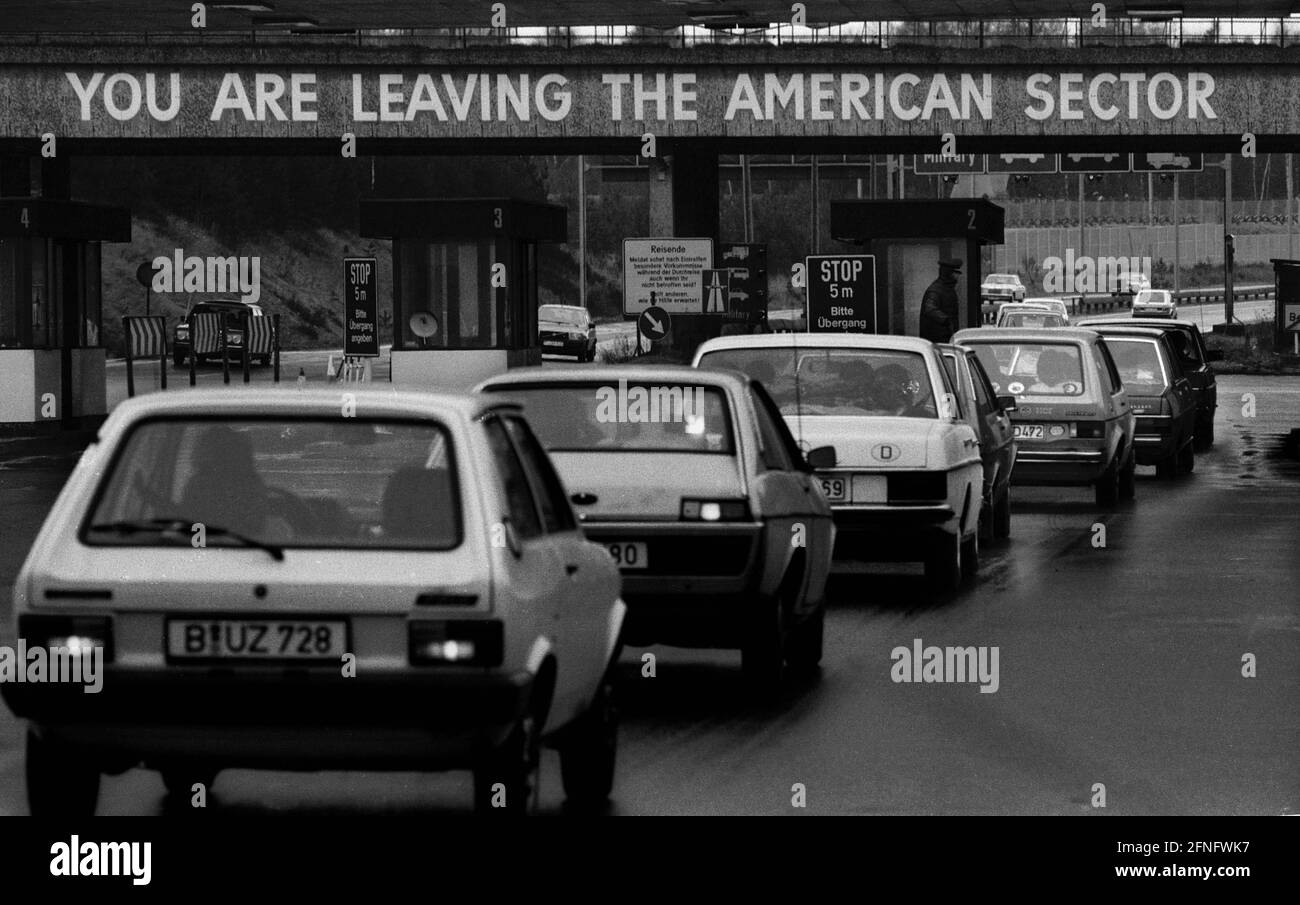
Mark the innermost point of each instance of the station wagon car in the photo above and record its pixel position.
(566, 330)
(1196, 360)
(1073, 422)
(908, 483)
(1052, 304)
(1154, 303)
(275, 582)
(989, 415)
(693, 484)
(1026, 314)
(1162, 397)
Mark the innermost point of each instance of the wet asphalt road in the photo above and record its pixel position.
(1118, 665)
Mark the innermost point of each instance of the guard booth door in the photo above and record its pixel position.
(464, 284)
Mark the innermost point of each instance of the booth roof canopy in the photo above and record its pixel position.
(974, 218)
(463, 218)
(49, 219)
(228, 15)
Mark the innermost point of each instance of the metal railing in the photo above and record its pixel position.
(972, 35)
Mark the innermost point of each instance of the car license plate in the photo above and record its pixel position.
(870, 488)
(1029, 432)
(256, 639)
(630, 554)
(835, 489)
(552, 342)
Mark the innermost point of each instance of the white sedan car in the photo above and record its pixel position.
(302, 580)
(908, 482)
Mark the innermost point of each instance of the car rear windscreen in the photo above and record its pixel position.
(341, 482)
(1022, 319)
(1139, 364)
(562, 316)
(626, 417)
(1032, 368)
(830, 381)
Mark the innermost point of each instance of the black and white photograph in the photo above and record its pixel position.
(572, 409)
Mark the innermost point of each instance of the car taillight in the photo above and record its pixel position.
(1088, 430)
(714, 510)
(76, 633)
(182, 332)
(479, 642)
(1166, 407)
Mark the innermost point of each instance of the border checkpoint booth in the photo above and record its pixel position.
(909, 238)
(451, 326)
(52, 361)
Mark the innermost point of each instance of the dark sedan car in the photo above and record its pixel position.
(567, 330)
(233, 311)
(1196, 359)
(1162, 397)
(988, 413)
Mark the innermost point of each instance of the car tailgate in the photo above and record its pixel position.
(864, 442)
(648, 485)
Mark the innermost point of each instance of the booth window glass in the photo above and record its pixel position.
(9, 335)
(41, 308)
(92, 306)
(451, 281)
(911, 266)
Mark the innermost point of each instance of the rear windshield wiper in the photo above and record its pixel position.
(185, 526)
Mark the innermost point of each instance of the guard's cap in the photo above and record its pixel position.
(950, 264)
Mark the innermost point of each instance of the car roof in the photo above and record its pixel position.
(612, 374)
(812, 340)
(1040, 300)
(566, 307)
(261, 402)
(1027, 303)
(1122, 329)
(1159, 323)
(1025, 334)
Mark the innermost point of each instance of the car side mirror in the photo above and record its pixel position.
(822, 457)
(1214, 355)
(1007, 403)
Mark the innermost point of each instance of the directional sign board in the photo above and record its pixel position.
(360, 303)
(1291, 318)
(945, 165)
(667, 273)
(654, 324)
(1021, 164)
(841, 293)
(1168, 162)
(1103, 162)
(715, 292)
(747, 262)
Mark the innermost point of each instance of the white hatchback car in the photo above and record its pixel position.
(308, 580)
(694, 484)
(908, 483)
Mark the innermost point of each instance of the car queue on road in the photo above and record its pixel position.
(479, 562)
